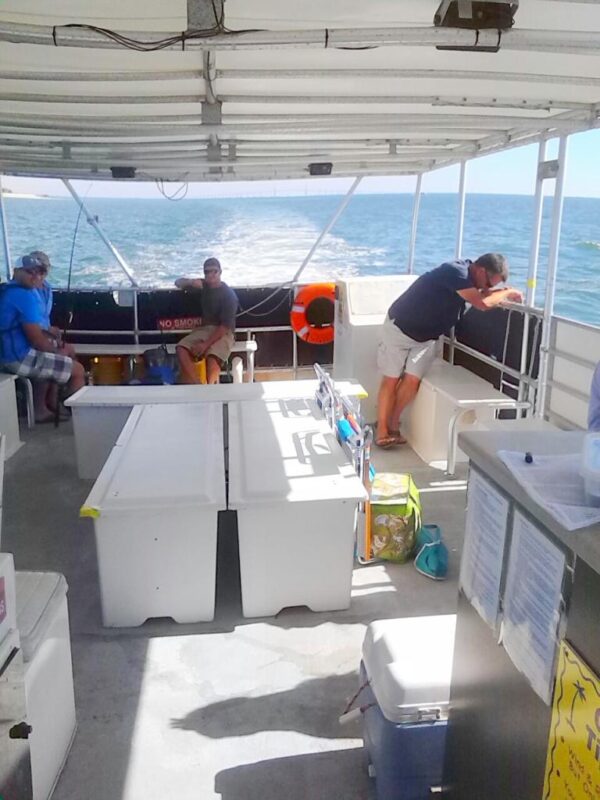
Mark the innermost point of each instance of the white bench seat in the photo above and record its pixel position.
(247, 346)
(447, 393)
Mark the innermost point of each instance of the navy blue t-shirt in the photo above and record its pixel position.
(431, 305)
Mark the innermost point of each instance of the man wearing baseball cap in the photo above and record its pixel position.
(214, 339)
(25, 348)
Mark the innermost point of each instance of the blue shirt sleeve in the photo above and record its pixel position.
(594, 408)
(27, 305)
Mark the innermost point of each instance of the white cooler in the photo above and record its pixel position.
(296, 496)
(43, 622)
(408, 665)
(155, 507)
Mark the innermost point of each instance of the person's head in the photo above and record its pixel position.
(212, 272)
(489, 270)
(29, 272)
(43, 259)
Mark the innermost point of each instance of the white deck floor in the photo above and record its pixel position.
(230, 709)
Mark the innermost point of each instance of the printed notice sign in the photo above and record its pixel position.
(532, 600)
(573, 760)
(485, 534)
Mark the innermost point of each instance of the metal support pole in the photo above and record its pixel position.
(461, 209)
(534, 254)
(327, 228)
(136, 318)
(5, 242)
(96, 225)
(415, 223)
(557, 209)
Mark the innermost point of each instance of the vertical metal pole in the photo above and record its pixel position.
(327, 227)
(557, 210)
(136, 317)
(5, 243)
(461, 209)
(415, 223)
(95, 224)
(534, 254)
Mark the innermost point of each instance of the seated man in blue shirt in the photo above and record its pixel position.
(428, 309)
(25, 348)
(47, 389)
(594, 407)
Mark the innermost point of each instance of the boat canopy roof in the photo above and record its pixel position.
(201, 90)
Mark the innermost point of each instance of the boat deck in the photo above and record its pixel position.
(231, 709)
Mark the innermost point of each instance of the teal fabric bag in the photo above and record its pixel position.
(432, 554)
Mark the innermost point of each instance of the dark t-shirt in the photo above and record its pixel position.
(431, 306)
(219, 306)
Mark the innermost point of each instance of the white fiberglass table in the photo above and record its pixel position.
(296, 496)
(100, 412)
(155, 509)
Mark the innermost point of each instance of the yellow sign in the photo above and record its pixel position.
(573, 760)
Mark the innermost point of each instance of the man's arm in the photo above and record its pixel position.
(189, 283)
(38, 337)
(489, 300)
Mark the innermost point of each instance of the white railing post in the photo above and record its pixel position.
(557, 209)
(534, 254)
(414, 226)
(5, 241)
(96, 226)
(461, 209)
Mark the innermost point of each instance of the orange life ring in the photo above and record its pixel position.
(313, 313)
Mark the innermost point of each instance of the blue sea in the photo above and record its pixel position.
(264, 240)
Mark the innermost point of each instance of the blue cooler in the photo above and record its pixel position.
(409, 664)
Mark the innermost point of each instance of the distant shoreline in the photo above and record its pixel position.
(6, 193)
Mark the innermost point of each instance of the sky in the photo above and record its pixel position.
(511, 172)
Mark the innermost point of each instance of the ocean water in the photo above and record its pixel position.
(264, 240)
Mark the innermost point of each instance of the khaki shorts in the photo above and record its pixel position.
(221, 349)
(398, 353)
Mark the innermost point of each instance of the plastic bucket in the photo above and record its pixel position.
(107, 370)
(201, 369)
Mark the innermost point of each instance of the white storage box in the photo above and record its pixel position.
(361, 308)
(9, 420)
(427, 419)
(296, 495)
(155, 507)
(100, 412)
(43, 622)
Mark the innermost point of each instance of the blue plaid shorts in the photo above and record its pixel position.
(42, 366)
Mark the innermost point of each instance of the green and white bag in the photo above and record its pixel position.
(395, 516)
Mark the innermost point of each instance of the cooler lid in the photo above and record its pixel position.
(39, 595)
(283, 450)
(166, 455)
(409, 664)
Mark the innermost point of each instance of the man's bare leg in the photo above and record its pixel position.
(77, 379)
(213, 369)
(187, 365)
(406, 391)
(42, 412)
(385, 406)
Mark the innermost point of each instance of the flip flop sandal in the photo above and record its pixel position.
(386, 442)
(398, 437)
